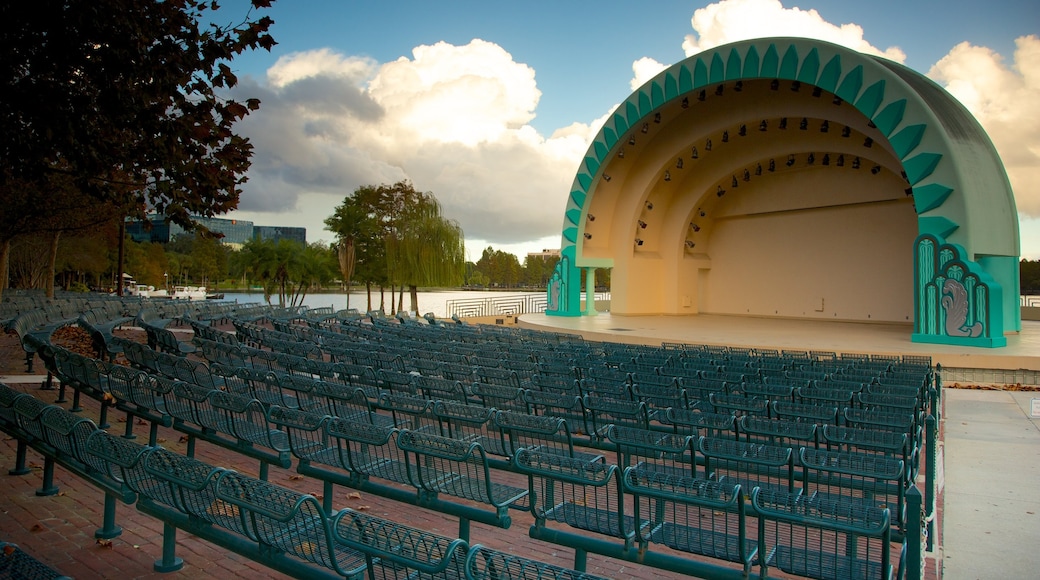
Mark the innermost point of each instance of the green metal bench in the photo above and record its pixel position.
(280, 528)
(858, 479)
(483, 563)
(101, 324)
(749, 464)
(61, 438)
(828, 540)
(471, 424)
(601, 412)
(698, 516)
(456, 468)
(649, 450)
(695, 422)
(235, 422)
(540, 433)
(398, 551)
(581, 494)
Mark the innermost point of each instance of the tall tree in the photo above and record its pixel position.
(400, 238)
(124, 98)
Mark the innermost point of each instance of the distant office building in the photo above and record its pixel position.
(545, 254)
(155, 228)
(277, 233)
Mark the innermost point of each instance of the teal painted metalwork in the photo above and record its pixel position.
(956, 301)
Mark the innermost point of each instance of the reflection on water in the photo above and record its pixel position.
(428, 301)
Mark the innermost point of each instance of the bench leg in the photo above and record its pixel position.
(153, 435)
(29, 362)
(47, 487)
(108, 529)
(128, 433)
(76, 407)
(464, 529)
(169, 562)
(580, 559)
(326, 500)
(19, 460)
(264, 467)
(190, 451)
(61, 393)
(103, 417)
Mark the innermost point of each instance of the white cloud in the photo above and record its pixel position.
(643, 70)
(733, 20)
(1006, 101)
(452, 119)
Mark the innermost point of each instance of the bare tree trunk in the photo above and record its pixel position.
(5, 263)
(122, 257)
(400, 299)
(368, 290)
(52, 258)
(382, 299)
(415, 298)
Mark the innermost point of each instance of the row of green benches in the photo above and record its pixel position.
(284, 529)
(621, 400)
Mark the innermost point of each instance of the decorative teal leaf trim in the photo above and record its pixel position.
(578, 197)
(656, 95)
(751, 63)
(574, 216)
(717, 73)
(890, 117)
(931, 196)
(593, 165)
(828, 80)
(789, 65)
(700, 73)
(631, 112)
(570, 234)
(685, 79)
(920, 166)
(733, 65)
(585, 180)
(851, 85)
(620, 125)
(810, 67)
(907, 139)
(770, 62)
(645, 106)
(871, 98)
(671, 88)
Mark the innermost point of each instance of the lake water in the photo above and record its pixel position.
(433, 301)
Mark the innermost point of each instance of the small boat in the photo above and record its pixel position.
(189, 293)
(215, 296)
(132, 288)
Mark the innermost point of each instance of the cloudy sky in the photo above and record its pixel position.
(491, 105)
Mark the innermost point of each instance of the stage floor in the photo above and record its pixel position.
(1022, 351)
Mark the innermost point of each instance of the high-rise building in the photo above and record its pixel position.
(155, 228)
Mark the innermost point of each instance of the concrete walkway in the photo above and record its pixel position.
(991, 526)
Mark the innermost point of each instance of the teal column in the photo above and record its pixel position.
(590, 292)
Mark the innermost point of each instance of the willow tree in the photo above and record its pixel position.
(400, 238)
(428, 249)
